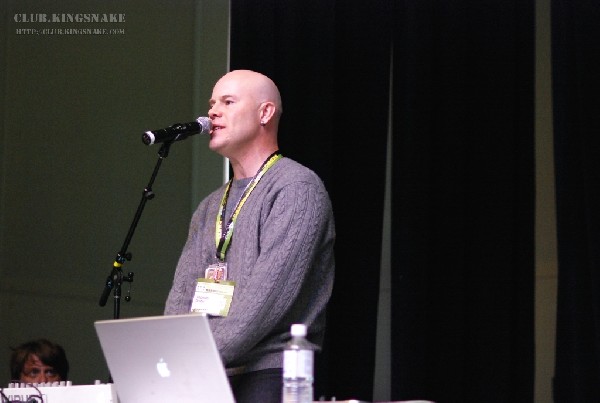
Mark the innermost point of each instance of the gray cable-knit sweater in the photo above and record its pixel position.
(281, 258)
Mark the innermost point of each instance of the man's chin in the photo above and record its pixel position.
(214, 146)
(217, 148)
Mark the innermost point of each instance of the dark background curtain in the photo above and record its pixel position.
(462, 225)
(576, 89)
(463, 202)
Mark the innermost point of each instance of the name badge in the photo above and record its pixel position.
(212, 297)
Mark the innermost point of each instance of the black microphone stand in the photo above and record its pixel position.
(115, 279)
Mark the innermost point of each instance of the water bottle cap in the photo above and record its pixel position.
(298, 330)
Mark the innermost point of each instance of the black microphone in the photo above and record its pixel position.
(179, 131)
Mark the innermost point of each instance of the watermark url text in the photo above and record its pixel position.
(70, 31)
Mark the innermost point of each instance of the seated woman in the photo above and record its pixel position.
(39, 361)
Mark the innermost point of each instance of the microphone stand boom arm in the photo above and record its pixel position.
(115, 279)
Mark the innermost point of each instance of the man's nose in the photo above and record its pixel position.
(213, 112)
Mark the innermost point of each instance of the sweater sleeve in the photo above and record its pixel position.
(180, 295)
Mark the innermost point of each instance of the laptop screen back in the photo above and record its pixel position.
(164, 359)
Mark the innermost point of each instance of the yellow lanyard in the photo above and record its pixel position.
(223, 233)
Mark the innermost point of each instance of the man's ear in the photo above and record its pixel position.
(267, 111)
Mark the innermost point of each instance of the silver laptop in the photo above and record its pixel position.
(164, 359)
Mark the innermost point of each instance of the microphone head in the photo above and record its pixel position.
(178, 131)
(148, 138)
(205, 124)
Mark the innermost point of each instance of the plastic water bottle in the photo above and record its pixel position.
(298, 368)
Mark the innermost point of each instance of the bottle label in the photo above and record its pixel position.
(298, 364)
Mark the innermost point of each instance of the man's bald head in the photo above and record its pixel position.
(261, 86)
(245, 108)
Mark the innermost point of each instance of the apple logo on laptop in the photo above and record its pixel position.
(163, 369)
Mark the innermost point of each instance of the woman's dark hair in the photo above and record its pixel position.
(49, 353)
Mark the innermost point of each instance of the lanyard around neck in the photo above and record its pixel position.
(224, 233)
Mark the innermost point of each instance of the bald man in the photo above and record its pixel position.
(259, 254)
